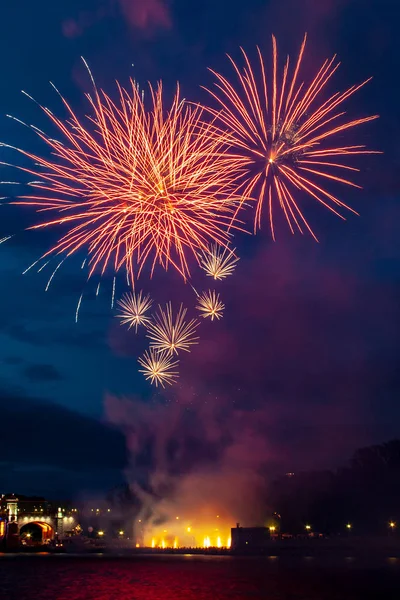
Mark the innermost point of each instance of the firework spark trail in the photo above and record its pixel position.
(158, 367)
(113, 293)
(281, 132)
(134, 187)
(218, 262)
(78, 307)
(210, 305)
(169, 333)
(133, 309)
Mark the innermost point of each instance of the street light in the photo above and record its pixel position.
(308, 527)
(272, 528)
(392, 524)
(348, 526)
(100, 533)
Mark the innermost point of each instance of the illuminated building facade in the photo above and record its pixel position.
(33, 520)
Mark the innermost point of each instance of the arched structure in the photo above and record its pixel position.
(36, 532)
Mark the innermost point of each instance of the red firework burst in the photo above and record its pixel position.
(282, 131)
(135, 187)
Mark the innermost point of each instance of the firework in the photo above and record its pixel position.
(218, 262)
(158, 367)
(133, 309)
(134, 187)
(169, 333)
(210, 305)
(283, 132)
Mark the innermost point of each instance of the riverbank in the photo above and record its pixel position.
(350, 546)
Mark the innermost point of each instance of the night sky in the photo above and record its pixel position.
(309, 345)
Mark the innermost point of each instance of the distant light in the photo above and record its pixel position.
(177, 518)
(217, 516)
(97, 510)
(348, 525)
(392, 524)
(272, 528)
(140, 520)
(101, 533)
(121, 532)
(108, 509)
(189, 529)
(308, 527)
(137, 545)
(28, 535)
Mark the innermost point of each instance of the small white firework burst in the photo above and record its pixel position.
(172, 333)
(210, 305)
(133, 309)
(218, 262)
(158, 367)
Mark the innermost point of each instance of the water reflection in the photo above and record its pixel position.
(193, 577)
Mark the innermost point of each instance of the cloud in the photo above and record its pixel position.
(41, 436)
(71, 28)
(42, 373)
(146, 16)
(191, 460)
(307, 341)
(309, 15)
(12, 360)
(288, 380)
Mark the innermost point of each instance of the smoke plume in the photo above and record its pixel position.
(194, 459)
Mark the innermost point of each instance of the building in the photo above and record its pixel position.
(249, 539)
(33, 520)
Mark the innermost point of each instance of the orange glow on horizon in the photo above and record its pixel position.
(213, 532)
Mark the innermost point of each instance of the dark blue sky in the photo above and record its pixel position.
(311, 331)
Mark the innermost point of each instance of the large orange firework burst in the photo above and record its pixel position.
(283, 132)
(132, 186)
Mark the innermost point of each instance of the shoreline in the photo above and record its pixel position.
(339, 547)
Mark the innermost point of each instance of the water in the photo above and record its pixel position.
(62, 577)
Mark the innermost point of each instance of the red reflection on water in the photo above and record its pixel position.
(189, 578)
